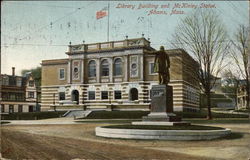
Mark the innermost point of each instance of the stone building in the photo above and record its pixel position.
(18, 93)
(117, 75)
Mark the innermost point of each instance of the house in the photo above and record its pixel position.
(117, 74)
(18, 93)
(242, 95)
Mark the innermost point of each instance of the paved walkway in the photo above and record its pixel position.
(62, 120)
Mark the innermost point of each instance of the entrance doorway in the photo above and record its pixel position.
(31, 108)
(133, 94)
(75, 96)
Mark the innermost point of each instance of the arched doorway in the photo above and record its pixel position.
(75, 96)
(133, 94)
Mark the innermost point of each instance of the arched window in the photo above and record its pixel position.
(118, 67)
(133, 94)
(92, 68)
(75, 96)
(105, 68)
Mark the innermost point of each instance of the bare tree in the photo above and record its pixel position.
(203, 34)
(240, 55)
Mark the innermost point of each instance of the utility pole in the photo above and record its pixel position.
(108, 23)
(0, 67)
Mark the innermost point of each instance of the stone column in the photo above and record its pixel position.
(141, 68)
(125, 68)
(82, 69)
(69, 70)
(111, 69)
(98, 71)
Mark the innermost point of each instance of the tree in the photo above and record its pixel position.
(240, 55)
(36, 73)
(203, 34)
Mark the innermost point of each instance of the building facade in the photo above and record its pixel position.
(242, 97)
(18, 94)
(117, 75)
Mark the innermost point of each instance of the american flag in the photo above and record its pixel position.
(102, 13)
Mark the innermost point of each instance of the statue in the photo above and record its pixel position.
(161, 65)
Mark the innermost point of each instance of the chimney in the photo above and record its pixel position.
(13, 71)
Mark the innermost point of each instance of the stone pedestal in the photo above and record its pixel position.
(161, 105)
(161, 108)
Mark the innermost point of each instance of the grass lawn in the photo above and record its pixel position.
(32, 115)
(218, 121)
(191, 120)
(154, 127)
(139, 114)
(4, 122)
(115, 121)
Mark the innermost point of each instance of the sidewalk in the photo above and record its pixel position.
(42, 121)
(62, 120)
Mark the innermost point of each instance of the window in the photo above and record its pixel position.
(75, 96)
(19, 82)
(105, 68)
(118, 95)
(30, 94)
(61, 73)
(105, 95)
(133, 94)
(2, 108)
(151, 68)
(11, 109)
(92, 68)
(20, 108)
(5, 80)
(20, 97)
(61, 96)
(31, 83)
(12, 96)
(118, 67)
(5, 96)
(91, 95)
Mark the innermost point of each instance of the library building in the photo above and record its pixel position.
(116, 75)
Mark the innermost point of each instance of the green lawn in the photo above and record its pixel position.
(32, 115)
(219, 121)
(114, 121)
(114, 115)
(139, 114)
(154, 127)
(191, 120)
(5, 122)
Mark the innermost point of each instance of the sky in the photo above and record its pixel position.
(32, 31)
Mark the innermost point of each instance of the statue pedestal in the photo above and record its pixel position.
(161, 108)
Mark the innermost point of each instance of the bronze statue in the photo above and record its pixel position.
(161, 65)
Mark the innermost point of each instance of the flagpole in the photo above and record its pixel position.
(108, 23)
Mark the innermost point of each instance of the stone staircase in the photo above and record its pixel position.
(77, 113)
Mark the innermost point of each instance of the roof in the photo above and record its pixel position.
(55, 61)
(12, 80)
(109, 46)
(178, 51)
